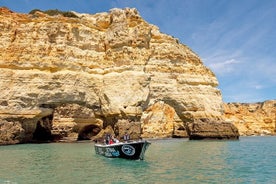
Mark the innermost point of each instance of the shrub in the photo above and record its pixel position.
(56, 12)
(35, 10)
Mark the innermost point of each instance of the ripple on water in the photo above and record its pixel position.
(250, 160)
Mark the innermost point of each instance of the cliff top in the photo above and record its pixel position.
(89, 43)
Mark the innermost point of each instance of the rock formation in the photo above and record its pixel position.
(252, 118)
(206, 129)
(72, 77)
(160, 120)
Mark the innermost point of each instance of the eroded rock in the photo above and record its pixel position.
(252, 118)
(112, 66)
(207, 129)
(11, 132)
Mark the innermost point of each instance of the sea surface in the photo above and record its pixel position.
(249, 160)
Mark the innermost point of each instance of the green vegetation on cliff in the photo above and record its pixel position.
(55, 12)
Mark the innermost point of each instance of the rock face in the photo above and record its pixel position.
(254, 118)
(11, 132)
(206, 129)
(73, 77)
(160, 120)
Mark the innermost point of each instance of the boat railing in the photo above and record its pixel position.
(122, 142)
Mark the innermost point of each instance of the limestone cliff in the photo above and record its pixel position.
(252, 118)
(76, 76)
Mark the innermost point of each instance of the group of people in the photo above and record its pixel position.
(109, 139)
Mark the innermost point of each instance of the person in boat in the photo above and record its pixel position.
(107, 138)
(111, 141)
(115, 140)
(126, 137)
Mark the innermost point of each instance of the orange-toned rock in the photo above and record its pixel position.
(11, 132)
(114, 64)
(161, 121)
(206, 129)
(252, 118)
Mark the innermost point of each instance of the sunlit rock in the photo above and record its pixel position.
(252, 118)
(113, 65)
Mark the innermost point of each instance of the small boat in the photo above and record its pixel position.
(133, 150)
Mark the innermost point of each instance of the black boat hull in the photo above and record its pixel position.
(128, 150)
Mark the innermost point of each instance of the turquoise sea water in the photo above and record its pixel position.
(249, 160)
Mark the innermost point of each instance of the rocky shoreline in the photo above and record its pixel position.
(69, 78)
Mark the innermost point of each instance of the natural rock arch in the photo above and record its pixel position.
(42, 132)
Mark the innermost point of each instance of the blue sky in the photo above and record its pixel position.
(235, 38)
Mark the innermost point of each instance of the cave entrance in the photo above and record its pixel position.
(87, 132)
(42, 132)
